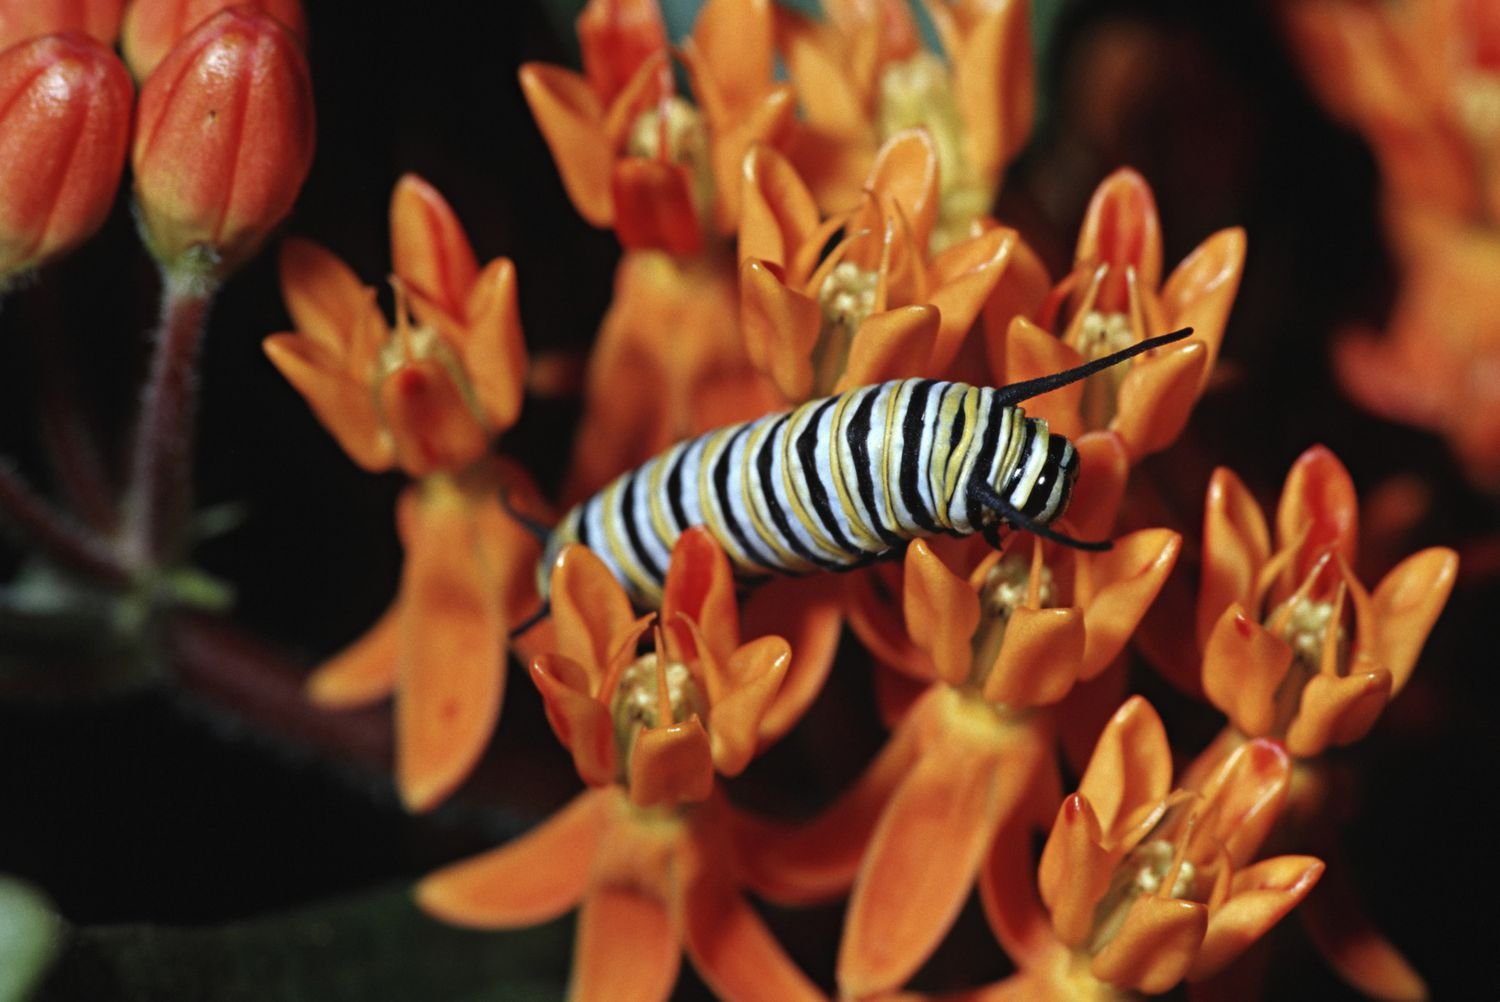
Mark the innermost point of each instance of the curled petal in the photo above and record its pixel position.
(330, 305)
(1075, 870)
(616, 38)
(993, 85)
(1155, 947)
(363, 672)
(580, 721)
(1039, 657)
(1130, 771)
(430, 423)
(590, 611)
(1246, 797)
(343, 404)
(1103, 468)
(1157, 395)
(777, 212)
(1320, 508)
(1260, 896)
(780, 328)
(1121, 229)
(533, 879)
(1236, 545)
(757, 670)
(654, 206)
(1201, 290)
(942, 611)
(626, 946)
(700, 586)
(1243, 666)
(1127, 579)
(494, 353)
(1337, 710)
(1405, 605)
(733, 41)
(429, 249)
(905, 177)
(810, 619)
(1031, 352)
(891, 345)
(671, 765)
(452, 643)
(962, 280)
(571, 119)
(767, 122)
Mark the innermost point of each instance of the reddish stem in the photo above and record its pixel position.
(49, 530)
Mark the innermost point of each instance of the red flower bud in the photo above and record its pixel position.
(223, 141)
(64, 125)
(24, 19)
(153, 27)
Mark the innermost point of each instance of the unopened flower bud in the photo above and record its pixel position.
(224, 139)
(64, 125)
(152, 27)
(21, 20)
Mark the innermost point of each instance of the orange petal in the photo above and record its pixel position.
(580, 721)
(962, 278)
(1157, 395)
(777, 212)
(361, 673)
(1130, 771)
(1201, 290)
(817, 861)
(780, 328)
(1039, 657)
(429, 249)
(1103, 468)
(616, 37)
(1338, 926)
(1127, 578)
(831, 100)
(873, 605)
(905, 177)
(891, 345)
(734, 42)
(1261, 896)
(671, 765)
(1075, 870)
(1337, 710)
(626, 946)
(1008, 892)
(757, 669)
(993, 84)
(700, 586)
(1405, 605)
(1031, 352)
(341, 402)
(327, 301)
(1236, 545)
(429, 419)
(451, 671)
(1121, 229)
(532, 879)
(811, 620)
(920, 865)
(654, 206)
(942, 611)
(1320, 507)
(1244, 665)
(1155, 947)
(768, 121)
(494, 353)
(571, 118)
(1245, 796)
(590, 611)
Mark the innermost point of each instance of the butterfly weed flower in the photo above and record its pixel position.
(426, 396)
(152, 27)
(643, 853)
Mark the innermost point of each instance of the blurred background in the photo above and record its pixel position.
(199, 855)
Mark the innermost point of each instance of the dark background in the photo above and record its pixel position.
(160, 804)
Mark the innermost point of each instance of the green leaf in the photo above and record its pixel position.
(29, 933)
(370, 948)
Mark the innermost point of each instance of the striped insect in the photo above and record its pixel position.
(840, 482)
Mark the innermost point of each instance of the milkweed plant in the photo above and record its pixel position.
(699, 502)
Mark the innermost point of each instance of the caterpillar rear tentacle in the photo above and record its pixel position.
(839, 482)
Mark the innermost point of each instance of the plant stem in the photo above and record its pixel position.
(52, 532)
(158, 498)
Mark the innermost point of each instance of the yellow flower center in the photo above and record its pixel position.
(1155, 868)
(1305, 624)
(846, 296)
(1101, 334)
(638, 700)
(1012, 583)
(674, 131)
(918, 93)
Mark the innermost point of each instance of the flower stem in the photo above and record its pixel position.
(158, 498)
(52, 532)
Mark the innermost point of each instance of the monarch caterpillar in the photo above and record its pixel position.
(839, 482)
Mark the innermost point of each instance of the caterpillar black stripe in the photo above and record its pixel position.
(839, 482)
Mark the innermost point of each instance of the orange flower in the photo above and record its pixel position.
(974, 753)
(633, 153)
(1294, 647)
(877, 306)
(644, 851)
(427, 397)
(64, 124)
(862, 77)
(152, 27)
(1144, 886)
(23, 19)
(223, 140)
(1115, 298)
